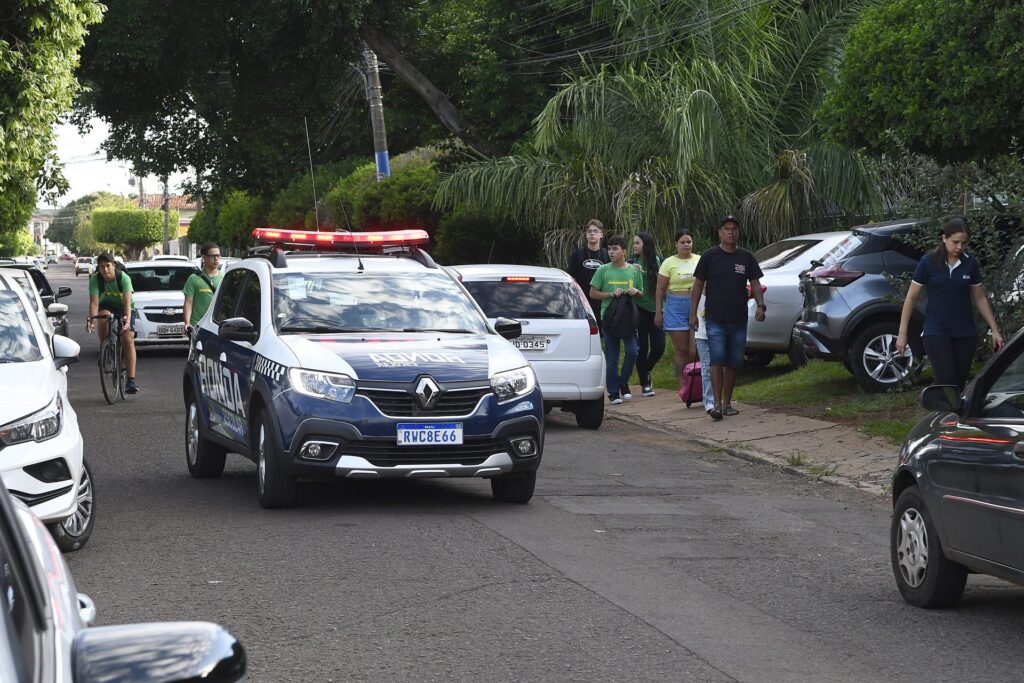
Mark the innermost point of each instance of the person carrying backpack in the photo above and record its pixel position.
(110, 291)
(616, 285)
(200, 287)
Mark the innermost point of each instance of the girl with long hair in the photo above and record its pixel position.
(650, 337)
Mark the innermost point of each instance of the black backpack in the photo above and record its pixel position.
(621, 318)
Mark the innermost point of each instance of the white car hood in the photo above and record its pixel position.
(26, 388)
(170, 299)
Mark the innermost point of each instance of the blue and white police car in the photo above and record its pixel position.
(360, 358)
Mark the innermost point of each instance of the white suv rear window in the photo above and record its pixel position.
(527, 299)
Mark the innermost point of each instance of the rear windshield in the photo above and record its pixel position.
(162, 278)
(528, 299)
(779, 254)
(17, 341)
(845, 248)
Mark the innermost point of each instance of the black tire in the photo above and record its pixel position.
(205, 459)
(547, 408)
(846, 364)
(874, 361)
(514, 488)
(109, 373)
(590, 414)
(758, 358)
(275, 488)
(796, 353)
(72, 533)
(924, 575)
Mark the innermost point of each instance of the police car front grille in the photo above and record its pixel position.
(389, 454)
(402, 404)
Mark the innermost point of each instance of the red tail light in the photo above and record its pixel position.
(594, 330)
(834, 276)
(516, 278)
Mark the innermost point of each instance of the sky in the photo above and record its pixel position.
(87, 169)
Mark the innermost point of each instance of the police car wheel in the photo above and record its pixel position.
(204, 458)
(275, 487)
(514, 488)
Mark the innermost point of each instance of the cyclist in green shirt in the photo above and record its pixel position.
(110, 291)
(198, 289)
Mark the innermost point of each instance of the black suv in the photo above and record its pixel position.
(851, 310)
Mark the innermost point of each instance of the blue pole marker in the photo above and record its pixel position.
(383, 165)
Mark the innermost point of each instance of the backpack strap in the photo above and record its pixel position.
(207, 280)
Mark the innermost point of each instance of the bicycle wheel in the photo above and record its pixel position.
(109, 372)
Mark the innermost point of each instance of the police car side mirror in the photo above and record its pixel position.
(941, 397)
(508, 328)
(238, 329)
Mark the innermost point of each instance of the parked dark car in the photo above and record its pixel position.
(958, 490)
(46, 292)
(851, 310)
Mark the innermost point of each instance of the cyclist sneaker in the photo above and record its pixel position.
(614, 399)
(131, 387)
(648, 391)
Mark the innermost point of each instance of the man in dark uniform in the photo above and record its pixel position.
(585, 261)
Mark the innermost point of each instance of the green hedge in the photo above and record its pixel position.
(465, 236)
(132, 229)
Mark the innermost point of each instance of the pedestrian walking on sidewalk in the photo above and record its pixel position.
(672, 300)
(616, 285)
(723, 274)
(650, 337)
(700, 340)
(585, 261)
(952, 279)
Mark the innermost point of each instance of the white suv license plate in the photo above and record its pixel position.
(530, 342)
(170, 329)
(430, 434)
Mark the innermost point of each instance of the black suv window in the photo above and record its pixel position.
(527, 299)
(227, 295)
(779, 254)
(251, 303)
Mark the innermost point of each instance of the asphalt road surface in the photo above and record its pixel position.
(641, 557)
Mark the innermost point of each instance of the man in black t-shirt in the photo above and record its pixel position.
(722, 275)
(585, 261)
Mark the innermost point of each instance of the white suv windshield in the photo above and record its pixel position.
(17, 342)
(369, 302)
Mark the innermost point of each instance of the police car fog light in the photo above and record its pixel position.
(318, 450)
(524, 448)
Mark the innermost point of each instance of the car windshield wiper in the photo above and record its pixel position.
(539, 314)
(438, 329)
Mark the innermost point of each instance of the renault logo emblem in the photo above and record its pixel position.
(427, 392)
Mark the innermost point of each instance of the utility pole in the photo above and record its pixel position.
(167, 218)
(375, 97)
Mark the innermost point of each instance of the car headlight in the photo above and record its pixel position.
(330, 386)
(39, 426)
(513, 383)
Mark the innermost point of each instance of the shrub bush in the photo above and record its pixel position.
(130, 229)
(466, 236)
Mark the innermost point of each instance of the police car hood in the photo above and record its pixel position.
(402, 357)
(32, 383)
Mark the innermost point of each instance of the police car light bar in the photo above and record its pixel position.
(376, 238)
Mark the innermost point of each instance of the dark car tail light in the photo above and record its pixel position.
(834, 276)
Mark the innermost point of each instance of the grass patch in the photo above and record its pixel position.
(823, 470)
(796, 459)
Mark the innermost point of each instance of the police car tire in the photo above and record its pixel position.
(210, 456)
(514, 488)
(590, 414)
(274, 487)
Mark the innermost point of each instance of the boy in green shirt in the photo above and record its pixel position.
(199, 291)
(613, 280)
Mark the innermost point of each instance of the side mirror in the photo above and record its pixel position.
(941, 397)
(167, 652)
(54, 310)
(63, 292)
(65, 350)
(238, 329)
(508, 328)
(86, 609)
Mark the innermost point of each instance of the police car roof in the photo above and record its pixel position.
(323, 262)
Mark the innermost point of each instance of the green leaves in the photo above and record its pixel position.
(131, 229)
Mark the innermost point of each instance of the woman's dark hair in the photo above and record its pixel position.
(681, 232)
(649, 253)
(951, 227)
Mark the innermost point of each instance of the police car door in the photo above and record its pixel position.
(224, 365)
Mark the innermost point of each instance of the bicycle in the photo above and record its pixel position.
(113, 374)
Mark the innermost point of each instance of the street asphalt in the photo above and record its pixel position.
(647, 554)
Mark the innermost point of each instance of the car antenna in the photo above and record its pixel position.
(316, 209)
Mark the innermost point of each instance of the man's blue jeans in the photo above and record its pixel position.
(613, 377)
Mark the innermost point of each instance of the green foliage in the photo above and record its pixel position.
(72, 226)
(465, 236)
(203, 227)
(292, 207)
(39, 43)
(130, 229)
(944, 76)
(15, 243)
(17, 201)
(237, 215)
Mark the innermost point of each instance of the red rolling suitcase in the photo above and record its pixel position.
(693, 386)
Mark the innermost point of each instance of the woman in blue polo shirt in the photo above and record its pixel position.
(953, 279)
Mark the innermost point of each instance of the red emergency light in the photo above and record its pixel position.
(517, 278)
(326, 240)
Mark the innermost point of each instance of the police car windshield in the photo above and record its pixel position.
(17, 342)
(327, 302)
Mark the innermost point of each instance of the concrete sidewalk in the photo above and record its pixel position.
(802, 445)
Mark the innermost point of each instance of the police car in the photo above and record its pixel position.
(360, 358)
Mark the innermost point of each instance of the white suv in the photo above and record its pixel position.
(560, 336)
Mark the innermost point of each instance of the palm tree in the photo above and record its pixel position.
(701, 107)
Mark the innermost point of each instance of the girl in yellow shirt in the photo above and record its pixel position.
(672, 299)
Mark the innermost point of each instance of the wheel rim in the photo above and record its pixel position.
(883, 363)
(192, 434)
(261, 458)
(78, 522)
(912, 547)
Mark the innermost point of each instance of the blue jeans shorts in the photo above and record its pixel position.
(727, 342)
(676, 313)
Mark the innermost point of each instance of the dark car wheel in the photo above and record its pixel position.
(514, 488)
(590, 414)
(875, 363)
(72, 533)
(924, 575)
(796, 353)
(274, 486)
(758, 359)
(204, 458)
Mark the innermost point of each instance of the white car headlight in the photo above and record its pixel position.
(513, 383)
(39, 426)
(330, 386)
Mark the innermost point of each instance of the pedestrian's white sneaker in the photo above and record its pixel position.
(648, 391)
(627, 396)
(616, 401)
